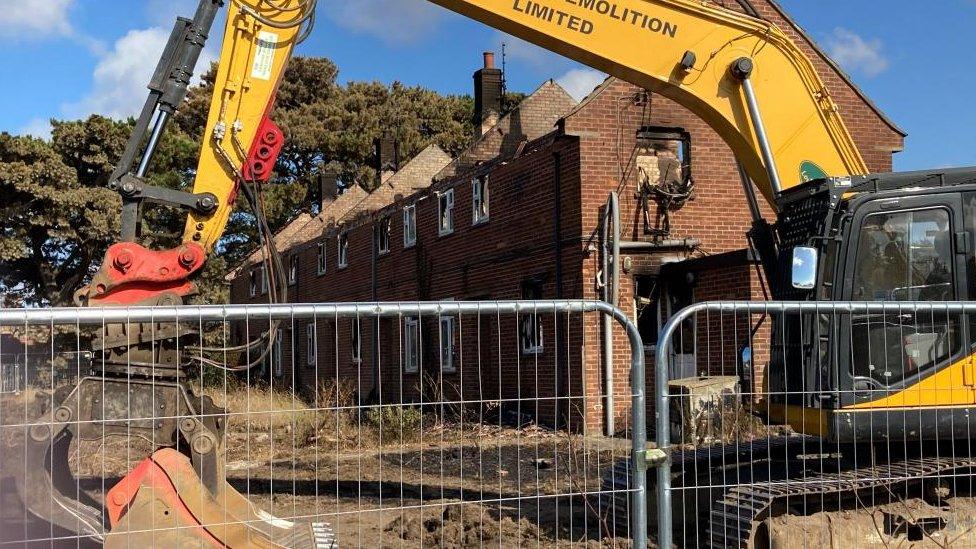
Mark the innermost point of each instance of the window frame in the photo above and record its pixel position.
(447, 365)
(409, 221)
(343, 250)
(384, 229)
(311, 344)
(277, 356)
(322, 259)
(445, 212)
(531, 290)
(356, 341)
(411, 353)
(480, 213)
(293, 269)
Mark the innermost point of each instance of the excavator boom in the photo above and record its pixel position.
(695, 53)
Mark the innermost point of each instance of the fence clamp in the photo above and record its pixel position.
(652, 457)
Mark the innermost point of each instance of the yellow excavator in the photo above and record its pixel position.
(737, 72)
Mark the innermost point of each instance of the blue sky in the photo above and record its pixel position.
(70, 58)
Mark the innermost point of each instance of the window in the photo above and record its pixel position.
(447, 343)
(383, 235)
(343, 250)
(903, 256)
(355, 341)
(253, 285)
(278, 367)
(411, 345)
(321, 258)
(479, 200)
(530, 325)
(409, 225)
(293, 270)
(311, 343)
(445, 212)
(264, 280)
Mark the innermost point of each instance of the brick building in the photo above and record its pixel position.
(520, 214)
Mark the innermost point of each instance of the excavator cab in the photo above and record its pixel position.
(890, 238)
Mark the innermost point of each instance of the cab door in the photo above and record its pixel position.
(906, 249)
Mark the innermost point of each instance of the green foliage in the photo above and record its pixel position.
(396, 423)
(58, 217)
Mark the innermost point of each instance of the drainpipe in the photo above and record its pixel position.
(374, 292)
(611, 295)
(561, 361)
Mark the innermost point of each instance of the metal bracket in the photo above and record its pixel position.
(132, 187)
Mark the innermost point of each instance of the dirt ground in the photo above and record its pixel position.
(426, 482)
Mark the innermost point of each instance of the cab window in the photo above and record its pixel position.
(903, 256)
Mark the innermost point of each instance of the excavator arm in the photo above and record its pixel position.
(741, 75)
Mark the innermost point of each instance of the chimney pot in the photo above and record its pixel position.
(488, 95)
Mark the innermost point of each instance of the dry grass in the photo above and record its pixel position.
(265, 424)
(258, 409)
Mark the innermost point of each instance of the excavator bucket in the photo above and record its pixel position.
(171, 499)
(162, 502)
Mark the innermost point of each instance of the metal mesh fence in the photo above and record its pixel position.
(403, 425)
(817, 424)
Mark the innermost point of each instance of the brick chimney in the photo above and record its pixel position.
(488, 89)
(328, 188)
(386, 151)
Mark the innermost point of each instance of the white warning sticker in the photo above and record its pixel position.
(264, 57)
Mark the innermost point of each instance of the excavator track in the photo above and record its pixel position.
(735, 518)
(724, 494)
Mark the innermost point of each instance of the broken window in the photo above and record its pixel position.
(530, 325)
(479, 200)
(647, 302)
(322, 258)
(445, 212)
(383, 235)
(293, 270)
(409, 225)
(663, 162)
(343, 250)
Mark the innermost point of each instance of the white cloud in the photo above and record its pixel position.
(856, 54)
(38, 127)
(394, 21)
(580, 82)
(121, 76)
(35, 18)
(43, 19)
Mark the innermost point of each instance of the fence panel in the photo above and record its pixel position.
(817, 424)
(399, 424)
